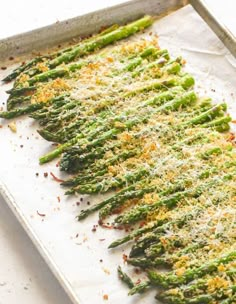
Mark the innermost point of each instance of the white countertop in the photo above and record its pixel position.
(24, 277)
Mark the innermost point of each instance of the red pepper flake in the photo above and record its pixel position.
(1, 126)
(107, 226)
(231, 137)
(77, 203)
(57, 164)
(94, 229)
(45, 174)
(56, 178)
(41, 214)
(138, 282)
(58, 199)
(125, 257)
(3, 68)
(141, 224)
(105, 297)
(118, 227)
(100, 222)
(11, 58)
(233, 121)
(137, 270)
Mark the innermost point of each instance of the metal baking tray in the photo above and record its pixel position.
(18, 177)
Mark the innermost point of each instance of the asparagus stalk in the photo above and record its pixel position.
(141, 212)
(59, 72)
(28, 109)
(137, 233)
(16, 72)
(100, 42)
(21, 111)
(208, 115)
(12, 102)
(141, 287)
(15, 92)
(121, 195)
(165, 259)
(198, 299)
(185, 81)
(125, 278)
(115, 183)
(34, 61)
(69, 131)
(186, 98)
(170, 280)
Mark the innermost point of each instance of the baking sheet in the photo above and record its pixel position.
(87, 269)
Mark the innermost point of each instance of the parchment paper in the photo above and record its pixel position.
(81, 254)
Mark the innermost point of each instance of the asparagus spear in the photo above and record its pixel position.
(16, 72)
(34, 61)
(186, 98)
(137, 233)
(15, 92)
(170, 280)
(27, 109)
(141, 287)
(69, 131)
(59, 72)
(21, 111)
(125, 278)
(189, 292)
(12, 102)
(141, 212)
(115, 201)
(113, 184)
(208, 115)
(190, 274)
(185, 81)
(99, 42)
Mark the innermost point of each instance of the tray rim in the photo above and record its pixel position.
(7, 197)
(218, 27)
(11, 46)
(225, 36)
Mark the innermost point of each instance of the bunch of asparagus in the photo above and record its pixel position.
(126, 118)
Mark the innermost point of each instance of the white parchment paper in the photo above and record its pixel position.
(81, 254)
